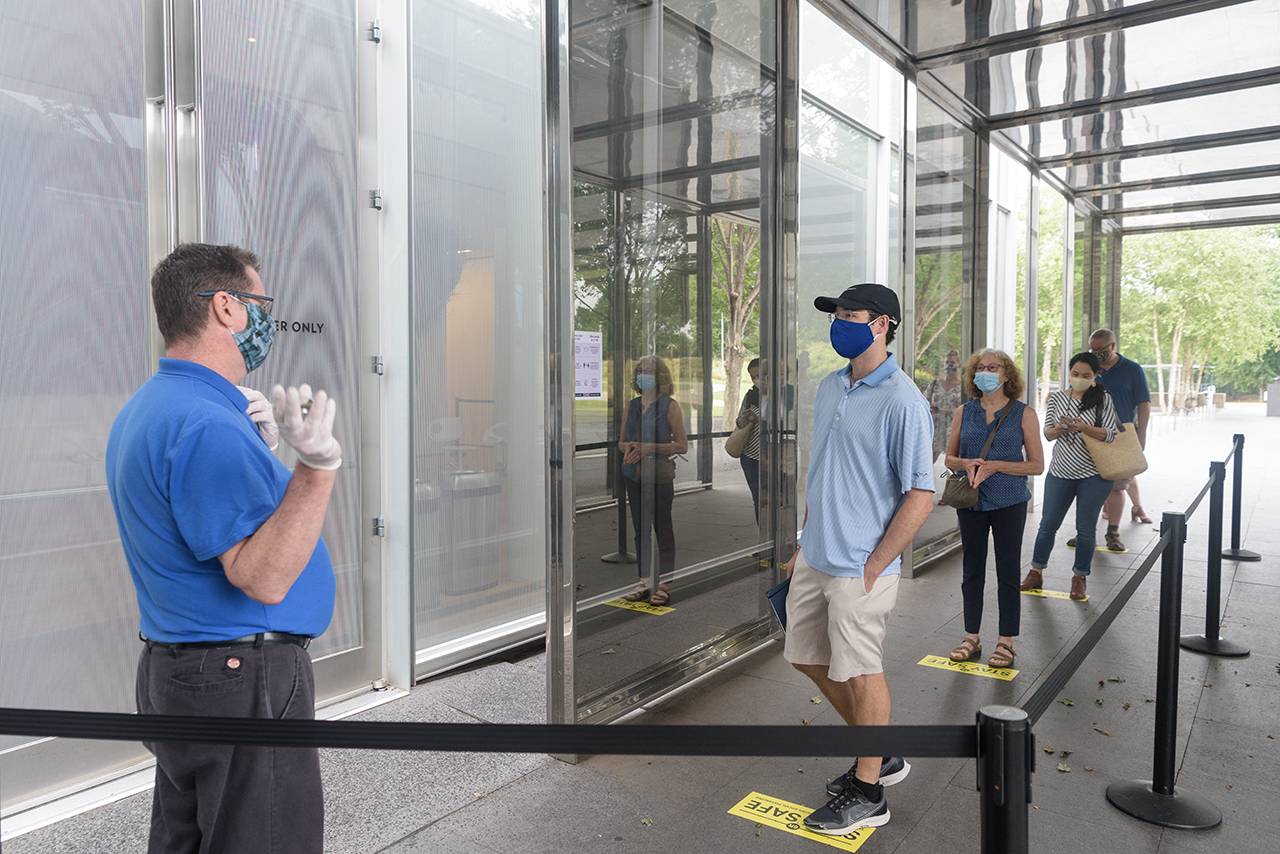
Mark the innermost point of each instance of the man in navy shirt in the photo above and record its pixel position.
(870, 489)
(1126, 382)
(223, 545)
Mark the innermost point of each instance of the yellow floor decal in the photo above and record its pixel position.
(943, 663)
(782, 815)
(640, 606)
(1055, 594)
(1105, 549)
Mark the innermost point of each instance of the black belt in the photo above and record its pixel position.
(256, 640)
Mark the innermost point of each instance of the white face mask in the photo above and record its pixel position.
(1081, 384)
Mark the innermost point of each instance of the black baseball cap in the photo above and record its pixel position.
(868, 295)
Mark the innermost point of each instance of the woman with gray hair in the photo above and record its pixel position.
(1000, 476)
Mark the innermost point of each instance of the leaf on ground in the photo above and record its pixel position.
(1150, 700)
(1067, 702)
(1114, 679)
(609, 652)
(1062, 767)
(1101, 682)
(815, 700)
(647, 822)
(1088, 767)
(1064, 754)
(1103, 731)
(1049, 750)
(1098, 701)
(1125, 707)
(804, 720)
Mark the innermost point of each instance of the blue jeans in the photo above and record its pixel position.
(1089, 494)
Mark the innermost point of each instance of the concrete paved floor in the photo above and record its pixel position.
(1228, 717)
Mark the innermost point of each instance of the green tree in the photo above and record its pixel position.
(1197, 298)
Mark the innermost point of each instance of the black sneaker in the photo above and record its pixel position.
(849, 811)
(893, 769)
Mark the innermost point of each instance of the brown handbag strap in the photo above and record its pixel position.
(991, 437)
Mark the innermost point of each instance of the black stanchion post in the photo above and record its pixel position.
(1235, 552)
(1155, 800)
(1005, 763)
(621, 555)
(1210, 643)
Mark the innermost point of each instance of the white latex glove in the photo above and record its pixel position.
(311, 435)
(260, 413)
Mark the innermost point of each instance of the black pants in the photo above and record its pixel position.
(1006, 525)
(751, 468)
(651, 511)
(212, 798)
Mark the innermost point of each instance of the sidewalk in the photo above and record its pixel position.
(1228, 715)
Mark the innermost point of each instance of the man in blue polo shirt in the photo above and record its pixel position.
(223, 544)
(870, 489)
(1126, 382)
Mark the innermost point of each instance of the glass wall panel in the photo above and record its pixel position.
(672, 104)
(945, 219)
(75, 345)
(479, 523)
(279, 140)
(850, 172)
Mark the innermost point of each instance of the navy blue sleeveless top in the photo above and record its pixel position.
(650, 426)
(999, 490)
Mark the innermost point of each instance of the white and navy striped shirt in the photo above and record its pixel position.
(872, 443)
(1071, 459)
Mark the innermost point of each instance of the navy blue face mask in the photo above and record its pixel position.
(851, 339)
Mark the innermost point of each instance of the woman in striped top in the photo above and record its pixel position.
(1085, 409)
(749, 413)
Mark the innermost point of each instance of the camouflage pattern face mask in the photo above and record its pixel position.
(255, 341)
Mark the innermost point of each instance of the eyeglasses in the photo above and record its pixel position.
(845, 314)
(265, 304)
(991, 369)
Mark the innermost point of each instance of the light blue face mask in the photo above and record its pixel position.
(256, 339)
(987, 382)
(646, 381)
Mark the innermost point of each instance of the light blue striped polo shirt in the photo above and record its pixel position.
(871, 444)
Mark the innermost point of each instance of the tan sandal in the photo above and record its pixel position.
(640, 594)
(1002, 657)
(661, 596)
(967, 649)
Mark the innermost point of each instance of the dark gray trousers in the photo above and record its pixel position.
(214, 798)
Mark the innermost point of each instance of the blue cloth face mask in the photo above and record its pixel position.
(851, 339)
(256, 339)
(646, 381)
(987, 382)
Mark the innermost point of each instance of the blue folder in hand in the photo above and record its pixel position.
(778, 599)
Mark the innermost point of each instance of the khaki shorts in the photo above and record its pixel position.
(1122, 484)
(834, 622)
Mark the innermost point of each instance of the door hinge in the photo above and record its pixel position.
(377, 365)
(380, 527)
(375, 32)
(375, 199)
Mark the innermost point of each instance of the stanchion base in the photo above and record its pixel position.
(1213, 646)
(1241, 554)
(618, 557)
(1179, 810)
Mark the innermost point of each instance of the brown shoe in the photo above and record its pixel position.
(1114, 544)
(1077, 588)
(1032, 581)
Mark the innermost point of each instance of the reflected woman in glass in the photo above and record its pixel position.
(944, 396)
(1001, 478)
(652, 431)
(749, 413)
